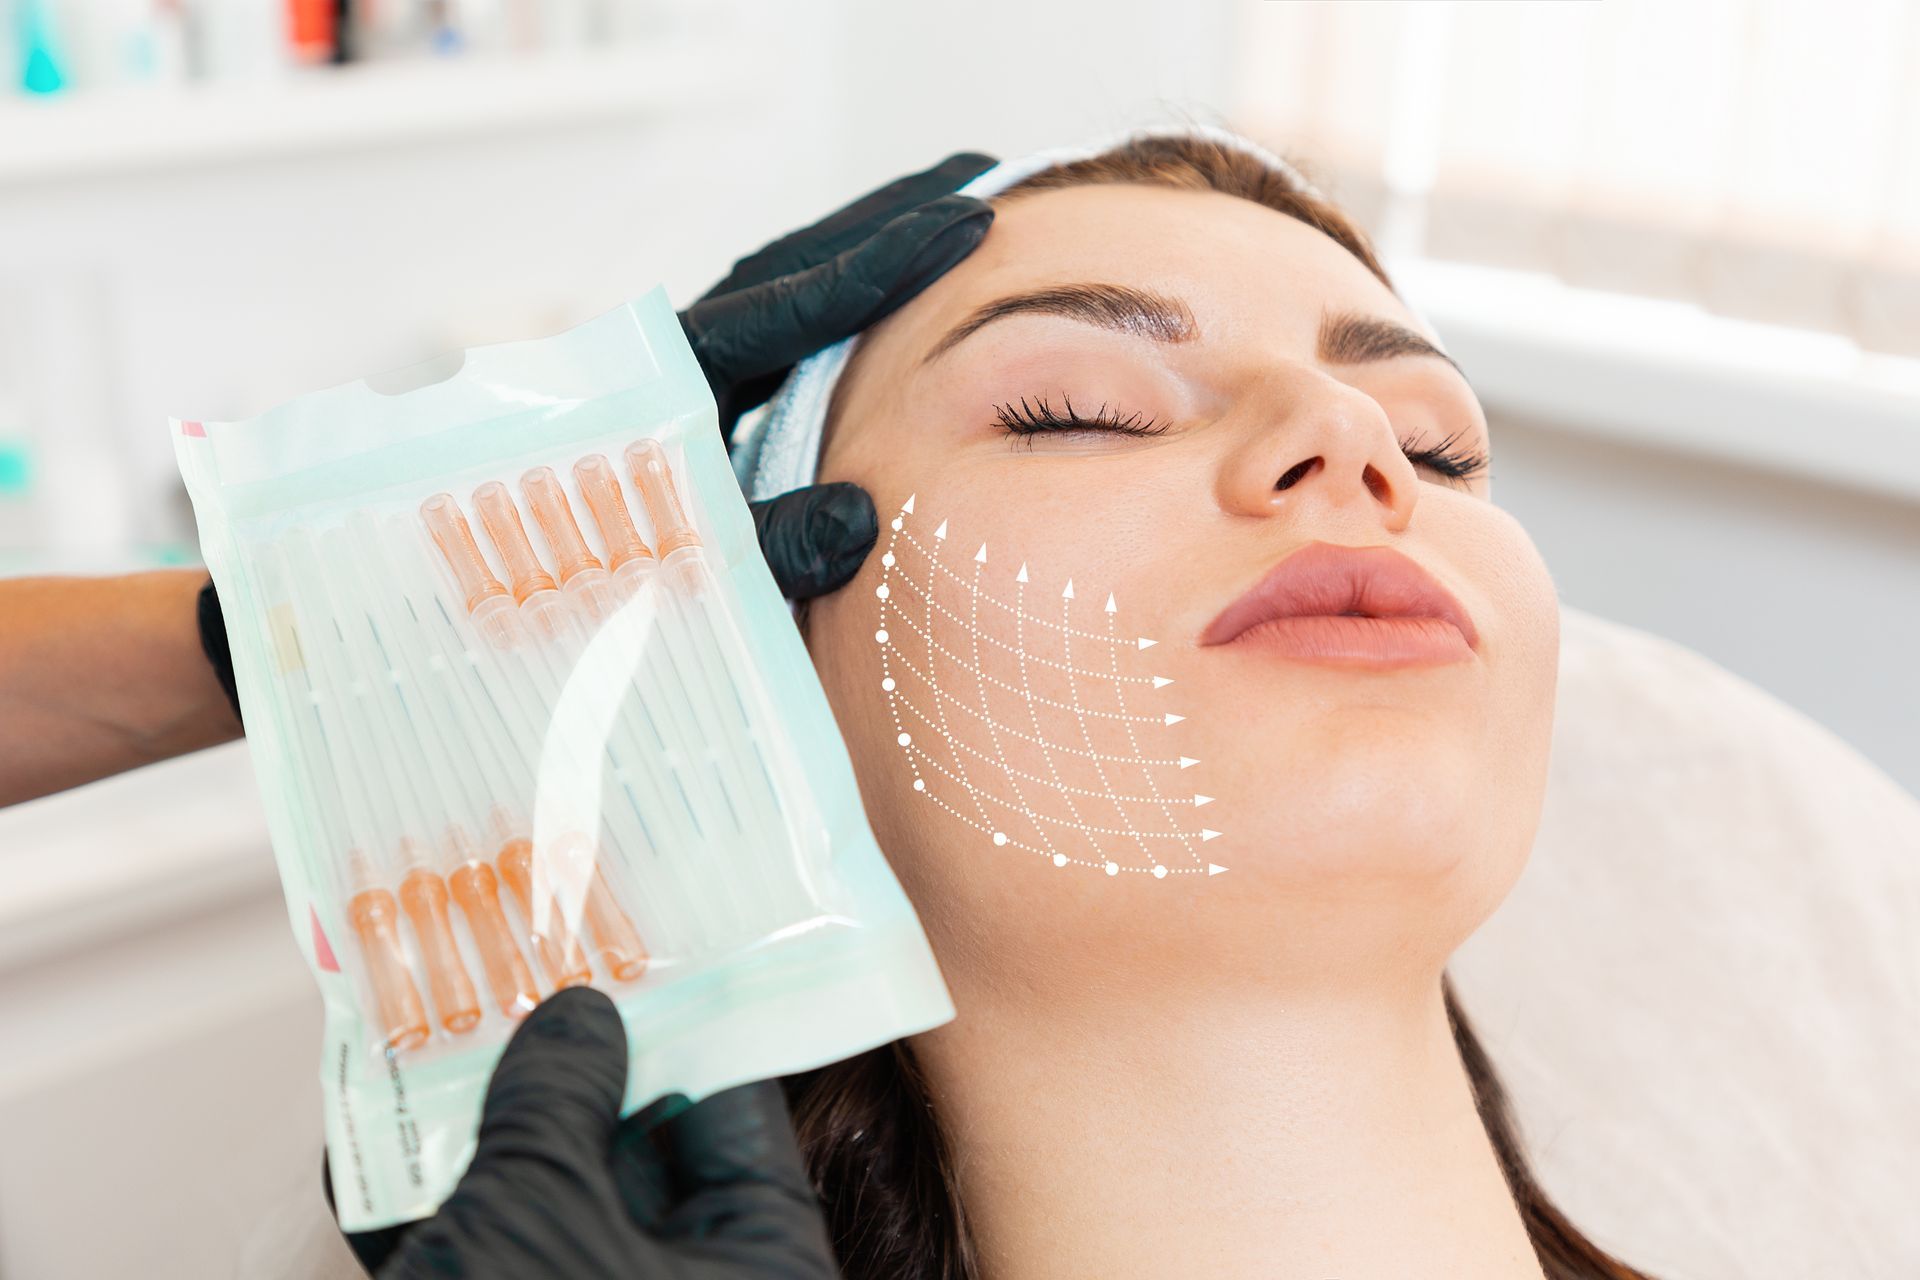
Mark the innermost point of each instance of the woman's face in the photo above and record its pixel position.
(1054, 794)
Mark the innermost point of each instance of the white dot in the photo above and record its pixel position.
(882, 591)
(896, 524)
(904, 739)
(887, 684)
(1059, 859)
(919, 784)
(1159, 873)
(999, 837)
(881, 635)
(1113, 868)
(887, 559)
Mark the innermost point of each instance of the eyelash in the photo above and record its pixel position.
(1036, 417)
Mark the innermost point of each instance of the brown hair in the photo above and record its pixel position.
(867, 1128)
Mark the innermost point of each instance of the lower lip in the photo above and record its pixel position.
(1365, 642)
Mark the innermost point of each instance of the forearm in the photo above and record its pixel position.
(99, 675)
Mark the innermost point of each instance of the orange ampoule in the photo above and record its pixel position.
(525, 572)
(486, 599)
(557, 946)
(653, 477)
(614, 936)
(627, 553)
(532, 585)
(477, 890)
(423, 896)
(582, 576)
(376, 922)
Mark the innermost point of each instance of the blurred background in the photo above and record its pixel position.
(1676, 249)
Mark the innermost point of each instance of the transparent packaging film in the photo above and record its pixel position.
(528, 712)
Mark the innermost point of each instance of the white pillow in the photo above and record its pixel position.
(1704, 992)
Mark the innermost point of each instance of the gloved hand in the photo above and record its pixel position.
(800, 294)
(560, 1186)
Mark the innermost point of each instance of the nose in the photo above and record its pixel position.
(1310, 446)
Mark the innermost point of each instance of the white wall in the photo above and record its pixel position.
(1810, 591)
(229, 288)
(1010, 76)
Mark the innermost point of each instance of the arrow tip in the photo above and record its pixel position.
(1207, 833)
(1214, 868)
(907, 506)
(1022, 575)
(980, 556)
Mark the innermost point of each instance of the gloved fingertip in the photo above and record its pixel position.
(566, 1065)
(815, 539)
(576, 1017)
(843, 527)
(919, 247)
(963, 167)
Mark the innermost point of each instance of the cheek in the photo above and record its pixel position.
(1006, 724)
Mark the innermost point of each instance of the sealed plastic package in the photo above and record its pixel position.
(528, 711)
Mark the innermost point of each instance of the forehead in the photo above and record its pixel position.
(1241, 267)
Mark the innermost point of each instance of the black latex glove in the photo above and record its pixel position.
(800, 294)
(560, 1186)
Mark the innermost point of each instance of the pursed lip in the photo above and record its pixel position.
(1325, 579)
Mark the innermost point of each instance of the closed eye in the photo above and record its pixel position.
(1035, 416)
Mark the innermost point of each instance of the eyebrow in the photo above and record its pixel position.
(1119, 307)
(1345, 337)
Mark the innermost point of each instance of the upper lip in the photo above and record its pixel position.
(1325, 579)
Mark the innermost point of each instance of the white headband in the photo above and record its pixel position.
(778, 449)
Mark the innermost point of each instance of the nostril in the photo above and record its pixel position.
(1296, 474)
(1376, 484)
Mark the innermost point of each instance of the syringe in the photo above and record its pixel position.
(705, 643)
(583, 579)
(554, 938)
(638, 577)
(404, 642)
(485, 695)
(559, 642)
(358, 665)
(371, 909)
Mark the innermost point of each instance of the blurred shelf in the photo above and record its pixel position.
(125, 852)
(1668, 375)
(110, 133)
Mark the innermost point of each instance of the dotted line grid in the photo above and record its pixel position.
(946, 732)
(1064, 706)
(1071, 823)
(1002, 644)
(1066, 639)
(1033, 712)
(973, 618)
(1000, 838)
(998, 604)
(1113, 656)
(965, 749)
(1011, 732)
